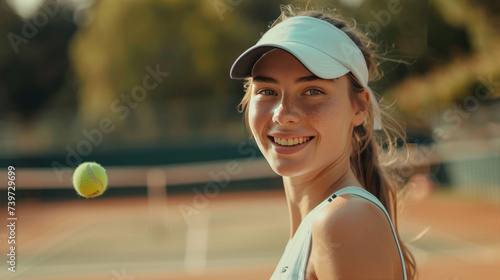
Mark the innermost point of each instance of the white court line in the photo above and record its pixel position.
(421, 255)
(466, 250)
(48, 249)
(134, 268)
(197, 243)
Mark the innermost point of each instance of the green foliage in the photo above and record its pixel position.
(185, 38)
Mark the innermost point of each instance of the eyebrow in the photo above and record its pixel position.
(265, 79)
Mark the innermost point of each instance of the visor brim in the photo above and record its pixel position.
(316, 61)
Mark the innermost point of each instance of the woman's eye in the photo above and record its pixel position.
(266, 92)
(313, 92)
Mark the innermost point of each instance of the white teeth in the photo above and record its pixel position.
(291, 141)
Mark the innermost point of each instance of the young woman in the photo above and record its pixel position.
(310, 109)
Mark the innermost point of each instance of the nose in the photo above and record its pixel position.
(286, 112)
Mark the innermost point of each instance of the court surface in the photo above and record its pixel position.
(233, 236)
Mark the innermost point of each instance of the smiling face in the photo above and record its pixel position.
(300, 122)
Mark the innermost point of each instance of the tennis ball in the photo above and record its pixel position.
(90, 179)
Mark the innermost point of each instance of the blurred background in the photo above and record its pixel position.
(143, 88)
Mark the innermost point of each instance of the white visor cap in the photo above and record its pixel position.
(322, 48)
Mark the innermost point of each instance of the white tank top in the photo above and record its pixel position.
(292, 265)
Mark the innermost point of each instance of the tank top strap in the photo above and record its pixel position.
(370, 197)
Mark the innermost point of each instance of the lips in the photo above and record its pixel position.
(289, 145)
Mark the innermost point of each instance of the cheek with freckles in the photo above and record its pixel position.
(327, 115)
(331, 121)
(257, 118)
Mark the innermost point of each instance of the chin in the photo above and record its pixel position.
(287, 168)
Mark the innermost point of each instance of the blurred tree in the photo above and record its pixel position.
(491, 7)
(34, 60)
(187, 39)
(465, 47)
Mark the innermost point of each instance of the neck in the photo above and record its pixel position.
(305, 192)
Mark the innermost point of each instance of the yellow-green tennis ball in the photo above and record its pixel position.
(90, 179)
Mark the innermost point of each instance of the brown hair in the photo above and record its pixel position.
(366, 145)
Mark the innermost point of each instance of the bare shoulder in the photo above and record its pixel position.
(350, 212)
(354, 238)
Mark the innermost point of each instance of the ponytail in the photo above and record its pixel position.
(378, 178)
